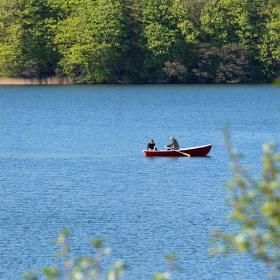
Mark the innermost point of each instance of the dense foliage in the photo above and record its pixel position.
(125, 41)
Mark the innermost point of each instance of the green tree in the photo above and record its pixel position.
(131, 65)
(270, 46)
(64, 8)
(168, 32)
(75, 43)
(255, 213)
(195, 8)
(99, 41)
(92, 41)
(10, 44)
(37, 20)
(235, 21)
(247, 23)
(217, 22)
(242, 22)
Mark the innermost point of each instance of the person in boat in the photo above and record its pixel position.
(173, 145)
(152, 146)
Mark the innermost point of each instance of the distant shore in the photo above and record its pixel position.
(67, 81)
(36, 81)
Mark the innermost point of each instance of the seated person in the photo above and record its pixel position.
(173, 145)
(152, 146)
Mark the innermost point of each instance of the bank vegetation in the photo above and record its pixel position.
(147, 41)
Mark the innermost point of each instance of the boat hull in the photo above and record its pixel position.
(201, 151)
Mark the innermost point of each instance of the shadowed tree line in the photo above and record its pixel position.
(148, 41)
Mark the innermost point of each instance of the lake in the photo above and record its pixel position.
(71, 157)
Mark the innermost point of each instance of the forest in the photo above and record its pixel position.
(147, 41)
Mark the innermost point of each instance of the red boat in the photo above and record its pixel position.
(201, 151)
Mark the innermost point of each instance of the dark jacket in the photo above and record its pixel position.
(173, 145)
(151, 146)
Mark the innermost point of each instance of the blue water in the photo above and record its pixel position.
(71, 157)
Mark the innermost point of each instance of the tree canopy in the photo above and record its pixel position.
(124, 41)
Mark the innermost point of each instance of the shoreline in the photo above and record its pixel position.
(66, 81)
(35, 81)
